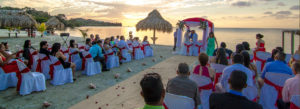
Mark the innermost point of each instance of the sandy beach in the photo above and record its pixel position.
(126, 95)
(65, 96)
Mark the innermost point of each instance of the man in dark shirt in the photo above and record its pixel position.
(223, 45)
(233, 99)
(182, 85)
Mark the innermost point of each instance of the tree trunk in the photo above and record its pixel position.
(16, 35)
(9, 34)
(154, 37)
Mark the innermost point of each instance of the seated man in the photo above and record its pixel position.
(278, 66)
(182, 85)
(237, 64)
(233, 99)
(153, 91)
(223, 45)
(96, 52)
(292, 85)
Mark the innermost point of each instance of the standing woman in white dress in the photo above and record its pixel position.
(186, 48)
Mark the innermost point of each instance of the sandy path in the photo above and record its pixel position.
(127, 96)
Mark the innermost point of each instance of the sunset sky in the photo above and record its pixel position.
(224, 13)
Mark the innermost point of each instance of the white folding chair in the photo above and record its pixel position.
(7, 79)
(268, 93)
(43, 65)
(295, 102)
(75, 57)
(205, 88)
(90, 67)
(58, 73)
(218, 69)
(261, 60)
(172, 101)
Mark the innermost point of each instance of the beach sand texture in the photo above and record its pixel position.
(126, 95)
(64, 96)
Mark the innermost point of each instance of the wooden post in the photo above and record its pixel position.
(283, 40)
(154, 37)
(292, 43)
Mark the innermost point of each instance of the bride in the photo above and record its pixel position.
(186, 48)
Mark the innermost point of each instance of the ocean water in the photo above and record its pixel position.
(231, 36)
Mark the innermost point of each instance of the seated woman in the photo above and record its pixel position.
(137, 51)
(75, 55)
(61, 57)
(147, 49)
(88, 44)
(27, 54)
(113, 44)
(129, 41)
(248, 64)
(247, 48)
(124, 48)
(272, 58)
(111, 59)
(221, 57)
(202, 69)
(6, 47)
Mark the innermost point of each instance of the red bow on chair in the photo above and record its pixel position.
(39, 65)
(188, 47)
(84, 61)
(70, 57)
(51, 71)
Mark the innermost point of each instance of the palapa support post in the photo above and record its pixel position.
(283, 40)
(154, 37)
(292, 43)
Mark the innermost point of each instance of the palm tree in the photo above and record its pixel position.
(84, 33)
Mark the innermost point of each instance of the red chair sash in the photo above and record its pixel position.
(216, 80)
(293, 106)
(263, 62)
(70, 57)
(278, 88)
(143, 47)
(51, 71)
(199, 47)
(19, 76)
(106, 55)
(19, 53)
(39, 65)
(31, 59)
(135, 50)
(188, 48)
(205, 87)
(84, 61)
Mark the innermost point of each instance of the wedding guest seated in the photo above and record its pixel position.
(292, 85)
(247, 48)
(220, 58)
(234, 98)
(96, 52)
(6, 47)
(223, 45)
(117, 39)
(248, 64)
(44, 48)
(239, 48)
(130, 41)
(147, 49)
(182, 85)
(137, 52)
(75, 55)
(111, 59)
(28, 59)
(237, 64)
(272, 58)
(124, 48)
(153, 91)
(88, 44)
(92, 37)
(278, 66)
(62, 58)
(280, 49)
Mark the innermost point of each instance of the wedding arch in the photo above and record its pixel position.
(202, 23)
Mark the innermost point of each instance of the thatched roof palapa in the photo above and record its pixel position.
(16, 18)
(154, 21)
(53, 22)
